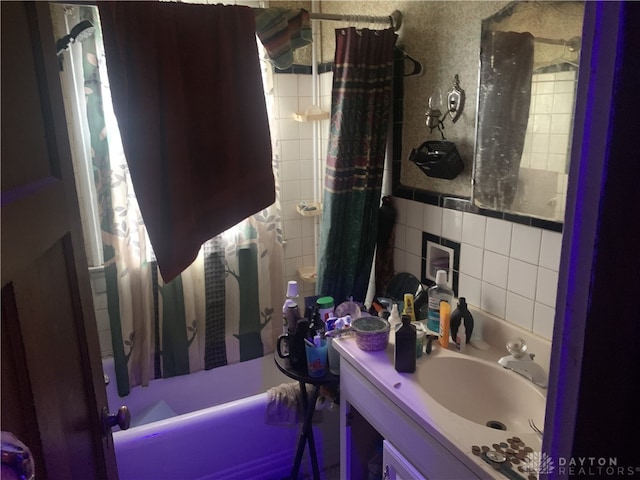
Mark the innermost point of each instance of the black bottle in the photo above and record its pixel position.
(459, 315)
(405, 349)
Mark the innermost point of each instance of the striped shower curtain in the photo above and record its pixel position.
(360, 109)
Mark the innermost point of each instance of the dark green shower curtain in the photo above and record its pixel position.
(360, 107)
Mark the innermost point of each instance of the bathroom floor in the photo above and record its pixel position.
(332, 473)
(329, 473)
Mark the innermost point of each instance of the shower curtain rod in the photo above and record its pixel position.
(573, 43)
(394, 20)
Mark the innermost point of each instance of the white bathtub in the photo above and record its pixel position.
(211, 425)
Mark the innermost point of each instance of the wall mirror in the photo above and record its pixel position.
(526, 101)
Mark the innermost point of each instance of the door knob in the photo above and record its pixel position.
(122, 418)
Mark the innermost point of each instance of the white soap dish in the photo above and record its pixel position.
(311, 114)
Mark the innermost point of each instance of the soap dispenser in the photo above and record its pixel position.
(405, 346)
(461, 316)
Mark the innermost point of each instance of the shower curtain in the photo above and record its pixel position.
(217, 311)
(360, 109)
(506, 66)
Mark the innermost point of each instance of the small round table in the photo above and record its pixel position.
(306, 434)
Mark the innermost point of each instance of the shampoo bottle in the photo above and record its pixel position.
(436, 294)
(405, 346)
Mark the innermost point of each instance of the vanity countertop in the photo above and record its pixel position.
(453, 432)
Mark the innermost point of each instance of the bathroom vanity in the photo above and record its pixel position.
(424, 424)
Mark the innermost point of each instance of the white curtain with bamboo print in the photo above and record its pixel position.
(222, 309)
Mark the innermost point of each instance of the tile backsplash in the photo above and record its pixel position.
(507, 269)
(295, 149)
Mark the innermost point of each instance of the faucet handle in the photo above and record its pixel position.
(517, 347)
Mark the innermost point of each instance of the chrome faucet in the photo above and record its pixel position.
(522, 363)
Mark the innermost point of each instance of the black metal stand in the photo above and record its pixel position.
(306, 433)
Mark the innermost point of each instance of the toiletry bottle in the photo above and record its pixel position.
(288, 310)
(409, 307)
(405, 346)
(461, 338)
(436, 294)
(325, 307)
(460, 316)
(394, 318)
(445, 315)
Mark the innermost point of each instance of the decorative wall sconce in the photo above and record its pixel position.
(455, 105)
(455, 100)
(440, 159)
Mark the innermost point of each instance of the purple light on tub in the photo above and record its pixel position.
(213, 427)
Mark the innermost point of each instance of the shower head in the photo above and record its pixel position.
(83, 31)
(79, 33)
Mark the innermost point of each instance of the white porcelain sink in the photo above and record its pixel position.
(484, 393)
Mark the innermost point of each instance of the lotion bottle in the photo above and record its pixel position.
(405, 346)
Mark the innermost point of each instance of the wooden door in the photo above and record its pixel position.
(52, 381)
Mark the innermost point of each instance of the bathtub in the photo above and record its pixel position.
(211, 425)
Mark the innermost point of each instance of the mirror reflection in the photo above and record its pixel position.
(526, 102)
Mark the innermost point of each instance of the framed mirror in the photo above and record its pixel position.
(529, 60)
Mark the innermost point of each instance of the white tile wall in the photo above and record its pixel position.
(549, 127)
(413, 241)
(293, 93)
(520, 310)
(547, 287)
(550, 247)
(451, 224)
(507, 269)
(495, 269)
(498, 236)
(471, 260)
(525, 243)
(522, 278)
(432, 221)
(473, 229)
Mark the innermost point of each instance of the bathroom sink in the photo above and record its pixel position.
(484, 393)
